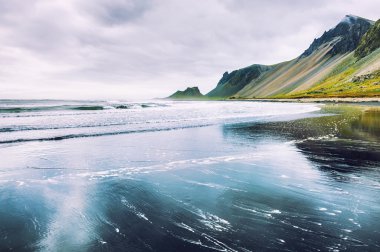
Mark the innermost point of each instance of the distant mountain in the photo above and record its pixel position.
(188, 93)
(327, 68)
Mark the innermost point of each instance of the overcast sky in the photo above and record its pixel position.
(123, 49)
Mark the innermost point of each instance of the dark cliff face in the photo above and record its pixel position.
(369, 42)
(345, 37)
(230, 83)
(190, 92)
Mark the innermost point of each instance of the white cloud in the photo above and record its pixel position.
(150, 48)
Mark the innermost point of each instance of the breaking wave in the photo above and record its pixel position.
(57, 120)
(84, 107)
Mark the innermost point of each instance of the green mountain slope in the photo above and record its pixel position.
(232, 82)
(370, 41)
(357, 76)
(329, 59)
(188, 93)
(297, 74)
(351, 78)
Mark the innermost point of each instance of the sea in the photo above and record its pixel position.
(162, 175)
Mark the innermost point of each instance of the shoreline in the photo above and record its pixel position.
(298, 100)
(316, 100)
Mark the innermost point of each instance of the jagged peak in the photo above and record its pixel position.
(349, 31)
(189, 92)
(349, 19)
(352, 19)
(192, 88)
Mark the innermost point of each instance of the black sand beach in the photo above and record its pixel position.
(302, 182)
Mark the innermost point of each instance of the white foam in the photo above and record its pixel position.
(20, 183)
(212, 221)
(280, 240)
(134, 210)
(184, 226)
(330, 213)
(275, 211)
(172, 165)
(246, 209)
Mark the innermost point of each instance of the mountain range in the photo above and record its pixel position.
(343, 62)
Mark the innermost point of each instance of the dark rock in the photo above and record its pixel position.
(364, 77)
(344, 37)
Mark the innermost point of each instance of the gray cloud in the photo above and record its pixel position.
(149, 48)
(116, 12)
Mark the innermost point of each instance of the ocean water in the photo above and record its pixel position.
(53, 120)
(188, 176)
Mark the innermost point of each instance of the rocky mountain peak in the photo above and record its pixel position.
(344, 37)
(352, 19)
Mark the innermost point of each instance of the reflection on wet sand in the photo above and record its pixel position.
(368, 124)
(346, 139)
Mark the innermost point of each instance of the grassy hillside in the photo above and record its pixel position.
(357, 76)
(351, 78)
(369, 42)
(295, 75)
